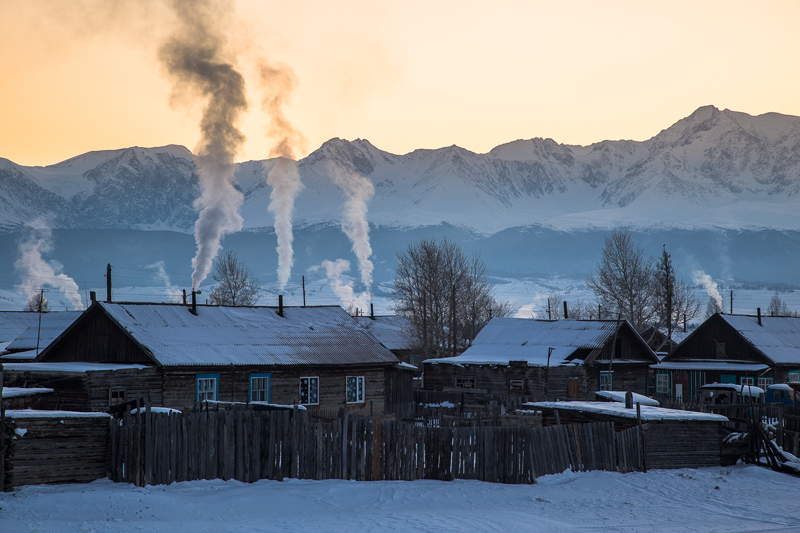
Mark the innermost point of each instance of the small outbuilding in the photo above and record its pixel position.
(548, 359)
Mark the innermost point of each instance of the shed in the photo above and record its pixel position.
(315, 356)
(732, 349)
(547, 358)
(673, 438)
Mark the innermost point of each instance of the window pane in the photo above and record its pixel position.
(313, 395)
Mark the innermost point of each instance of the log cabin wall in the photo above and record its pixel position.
(180, 386)
(626, 377)
(70, 390)
(95, 338)
(133, 384)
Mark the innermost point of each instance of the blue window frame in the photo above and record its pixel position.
(260, 387)
(206, 387)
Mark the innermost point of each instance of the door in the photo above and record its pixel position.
(680, 385)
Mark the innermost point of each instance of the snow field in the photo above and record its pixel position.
(741, 498)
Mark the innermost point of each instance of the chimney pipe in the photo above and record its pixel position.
(194, 302)
(684, 322)
(758, 310)
(93, 296)
(566, 314)
(280, 305)
(108, 282)
(184, 296)
(372, 311)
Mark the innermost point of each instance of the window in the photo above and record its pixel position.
(728, 378)
(606, 380)
(354, 389)
(746, 381)
(259, 387)
(662, 383)
(465, 383)
(414, 360)
(794, 377)
(516, 385)
(116, 396)
(309, 390)
(207, 389)
(764, 383)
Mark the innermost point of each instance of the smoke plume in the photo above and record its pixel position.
(285, 182)
(196, 58)
(36, 272)
(344, 290)
(277, 83)
(701, 278)
(173, 292)
(358, 191)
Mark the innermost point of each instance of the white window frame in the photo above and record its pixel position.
(609, 385)
(207, 387)
(763, 383)
(312, 383)
(662, 383)
(360, 393)
(794, 377)
(256, 387)
(747, 381)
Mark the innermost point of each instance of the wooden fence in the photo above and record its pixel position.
(157, 448)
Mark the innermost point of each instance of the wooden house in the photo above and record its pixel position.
(314, 356)
(755, 350)
(549, 359)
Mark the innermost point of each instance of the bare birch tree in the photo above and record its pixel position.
(236, 285)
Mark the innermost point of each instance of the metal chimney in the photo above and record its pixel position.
(93, 296)
(280, 305)
(758, 310)
(372, 311)
(566, 314)
(184, 296)
(194, 302)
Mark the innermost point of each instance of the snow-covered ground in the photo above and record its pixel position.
(741, 498)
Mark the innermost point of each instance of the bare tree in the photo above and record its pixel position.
(445, 295)
(236, 285)
(38, 303)
(623, 280)
(777, 307)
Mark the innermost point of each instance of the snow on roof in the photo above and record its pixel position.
(17, 392)
(619, 396)
(17, 356)
(710, 365)
(780, 386)
(405, 366)
(778, 338)
(219, 336)
(69, 367)
(744, 390)
(53, 324)
(649, 413)
(523, 339)
(13, 323)
(36, 413)
(393, 331)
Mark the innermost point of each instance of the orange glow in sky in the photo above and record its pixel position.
(77, 76)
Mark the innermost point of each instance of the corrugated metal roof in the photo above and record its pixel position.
(393, 331)
(778, 338)
(220, 336)
(13, 323)
(53, 324)
(523, 339)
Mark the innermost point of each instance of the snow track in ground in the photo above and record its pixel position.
(735, 499)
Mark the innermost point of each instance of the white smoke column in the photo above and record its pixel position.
(358, 190)
(37, 272)
(334, 271)
(701, 278)
(285, 182)
(172, 291)
(196, 58)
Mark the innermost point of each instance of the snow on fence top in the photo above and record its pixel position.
(35, 413)
(648, 412)
(17, 392)
(619, 396)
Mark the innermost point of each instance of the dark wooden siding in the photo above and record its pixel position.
(683, 444)
(626, 377)
(234, 386)
(95, 338)
(71, 392)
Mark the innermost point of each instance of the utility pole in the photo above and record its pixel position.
(108, 283)
(304, 291)
(38, 333)
(731, 301)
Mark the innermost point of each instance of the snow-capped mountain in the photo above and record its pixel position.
(712, 169)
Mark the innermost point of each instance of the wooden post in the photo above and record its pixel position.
(642, 447)
(304, 291)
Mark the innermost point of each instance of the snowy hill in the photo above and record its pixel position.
(712, 169)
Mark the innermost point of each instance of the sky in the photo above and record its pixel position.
(85, 75)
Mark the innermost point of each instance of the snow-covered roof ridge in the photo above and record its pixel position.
(539, 342)
(778, 338)
(221, 336)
